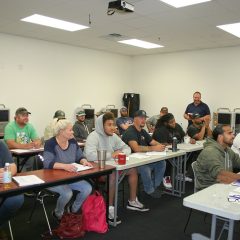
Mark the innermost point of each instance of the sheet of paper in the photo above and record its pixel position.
(80, 167)
(27, 180)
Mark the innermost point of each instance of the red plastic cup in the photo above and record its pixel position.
(121, 158)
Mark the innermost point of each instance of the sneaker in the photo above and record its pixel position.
(156, 194)
(137, 206)
(188, 179)
(167, 182)
(111, 216)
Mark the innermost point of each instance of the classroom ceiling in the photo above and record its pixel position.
(178, 29)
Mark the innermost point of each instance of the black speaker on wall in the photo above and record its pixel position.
(132, 102)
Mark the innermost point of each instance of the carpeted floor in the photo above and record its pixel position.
(165, 221)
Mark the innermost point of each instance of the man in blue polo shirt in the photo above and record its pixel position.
(197, 107)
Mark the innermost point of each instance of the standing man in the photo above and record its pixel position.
(124, 121)
(216, 161)
(80, 128)
(197, 107)
(152, 121)
(49, 132)
(21, 134)
(140, 141)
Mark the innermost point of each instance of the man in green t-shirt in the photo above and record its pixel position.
(21, 134)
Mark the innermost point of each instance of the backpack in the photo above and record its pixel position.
(94, 213)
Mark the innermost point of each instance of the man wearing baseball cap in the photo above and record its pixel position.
(21, 134)
(199, 129)
(49, 132)
(81, 128)
(140, 141)
(124, 121)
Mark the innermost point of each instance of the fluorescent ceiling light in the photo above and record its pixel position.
(53, 22)
(183, 3)
(140, 43)
(233, 28)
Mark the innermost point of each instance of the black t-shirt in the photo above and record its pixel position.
(193, 130)
(5, 155)
(165, 134)
(132, 134)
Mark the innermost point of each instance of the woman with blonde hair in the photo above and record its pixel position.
(60, 152)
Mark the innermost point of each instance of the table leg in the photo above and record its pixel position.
(116, 199)
(107, 198)
(230, 230)
(213, 228)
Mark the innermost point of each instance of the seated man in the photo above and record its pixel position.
(216, 161)
(152, 121)
(140, 141)
(48, 133)
(104, 138)
(165, 129)
(236, 144)
(9, 205)
(80, 128)
(124, 121)
(199, 129)
(21, 134)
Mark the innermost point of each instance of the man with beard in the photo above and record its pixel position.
(199, 129)
(216, 161)
(140, 141)
(124, 121)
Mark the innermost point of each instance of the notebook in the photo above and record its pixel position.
(27, 180)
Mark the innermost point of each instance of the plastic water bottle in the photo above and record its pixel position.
(7, 174)
(174, 144)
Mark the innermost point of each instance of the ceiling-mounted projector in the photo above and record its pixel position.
(119, 6)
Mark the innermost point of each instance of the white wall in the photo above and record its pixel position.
(170, 79)
(44, 76)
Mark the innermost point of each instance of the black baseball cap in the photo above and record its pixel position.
(21, 111)
(196, 116)
(140, 113)
(59, 114)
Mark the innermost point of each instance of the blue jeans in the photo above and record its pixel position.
(65, 192)
(9, 207)
(152, 181)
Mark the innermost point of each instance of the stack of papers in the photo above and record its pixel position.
(27, 180)
(234, 197)
(80, 167)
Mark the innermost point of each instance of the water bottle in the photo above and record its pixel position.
(7, 175)
(174, 144)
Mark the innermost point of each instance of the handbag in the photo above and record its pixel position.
(94, 213)
(71, 226)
